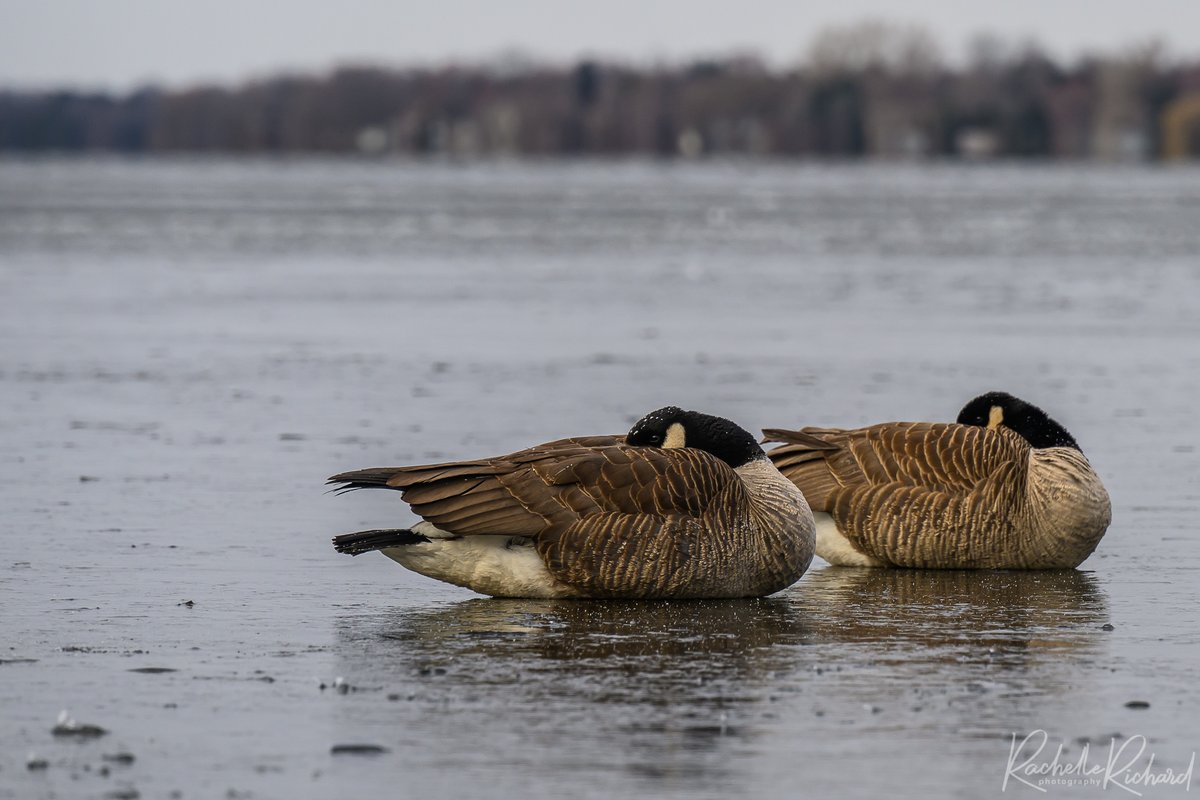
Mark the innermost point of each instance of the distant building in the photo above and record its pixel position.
(1179, 119)
(1181, 128)
(977, 143)
(690, 143)
(1069, 107)
(899, 116)
(372, 140)
(1120, 125)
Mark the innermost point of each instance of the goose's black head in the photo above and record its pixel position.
(994, 409)
(674, 427)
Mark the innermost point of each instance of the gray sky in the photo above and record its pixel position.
(120, 43)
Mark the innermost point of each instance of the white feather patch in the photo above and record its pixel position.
(500, 566)
(836, 548)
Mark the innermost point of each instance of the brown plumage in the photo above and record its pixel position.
(598, 517)
(919, 494)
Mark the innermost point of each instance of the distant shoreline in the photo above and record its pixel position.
(1024, 105)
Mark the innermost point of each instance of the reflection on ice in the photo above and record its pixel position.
(675, 689)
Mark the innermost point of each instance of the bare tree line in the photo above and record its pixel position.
(865, 90)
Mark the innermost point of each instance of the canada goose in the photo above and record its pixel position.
(686, 505)
(1005, 487)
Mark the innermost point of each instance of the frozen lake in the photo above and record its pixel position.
(188, 348)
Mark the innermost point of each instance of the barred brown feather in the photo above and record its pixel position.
(940, 495)
(614, 520)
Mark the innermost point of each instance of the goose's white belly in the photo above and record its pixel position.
(499, 566)
(836, 548)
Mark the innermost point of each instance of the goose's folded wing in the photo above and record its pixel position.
(944, 457)
(615, 554)
(646, 537)
(896, 489)
(553, 485)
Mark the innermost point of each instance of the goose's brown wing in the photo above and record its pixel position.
(657, 534)
(896, 489)
(943, 457)
(555, 485)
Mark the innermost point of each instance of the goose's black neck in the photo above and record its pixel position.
(994, 409)
(673, 427)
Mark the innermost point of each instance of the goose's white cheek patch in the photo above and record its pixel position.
(676, 436)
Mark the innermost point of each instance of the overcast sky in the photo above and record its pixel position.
(121, 43)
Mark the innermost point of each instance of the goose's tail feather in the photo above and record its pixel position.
(806, 439)
(354, 544)
(375, 478)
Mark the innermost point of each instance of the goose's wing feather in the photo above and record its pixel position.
(649, 530)
(559, 485)
(895, 489)
(944, 457)
(618, 554)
